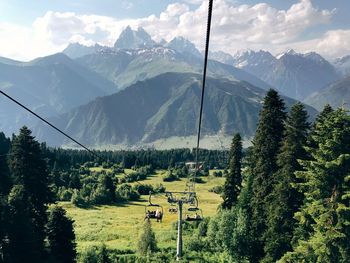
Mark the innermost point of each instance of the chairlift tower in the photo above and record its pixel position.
(180, 198)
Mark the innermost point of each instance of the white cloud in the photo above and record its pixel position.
(234, 27)
(332, 44)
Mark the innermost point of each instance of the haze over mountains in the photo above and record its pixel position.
(163, 107)
(140, 92)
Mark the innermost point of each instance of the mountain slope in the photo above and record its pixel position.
(49, 86)
(343, 65)
(162, 107)
(337, 95)
(125, 67)
(295, 75)
(76, 50)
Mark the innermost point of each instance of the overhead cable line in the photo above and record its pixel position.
(210, 11)
(50, 124)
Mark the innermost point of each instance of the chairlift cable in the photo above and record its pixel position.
(51, 125)
(210, 11)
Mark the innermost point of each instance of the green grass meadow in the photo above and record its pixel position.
(118, 226)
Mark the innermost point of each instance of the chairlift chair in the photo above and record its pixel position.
(194, 214)
(153, 211)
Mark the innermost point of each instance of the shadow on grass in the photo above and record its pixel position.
(99, 207)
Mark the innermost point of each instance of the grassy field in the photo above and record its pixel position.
(118, 226)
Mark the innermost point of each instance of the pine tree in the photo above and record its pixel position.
(5, 181)
(147, 241)
(61, 236)
(22, 245)
(233, 181)
(2, 229)
(285, 200)
(266, 145)
(325, 216)
(28, 169)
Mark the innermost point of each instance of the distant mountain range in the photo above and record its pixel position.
(50, 86)
(101, 95)
(162, 107)
(336, 94)
(295, 75)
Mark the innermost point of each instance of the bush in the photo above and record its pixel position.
(218, 189)
(197, 180)
(117, 169)
(217, 173)
(64, 194)
(147, 241)
(106, 165)
(126, 193)
(143, 189)
(159, 188)
(77, 199)
(95, 255)
(170, 177)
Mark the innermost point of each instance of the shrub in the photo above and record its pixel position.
(170, 177)
(218, 189)
(64, 194)
(217, 173)
(77, 199)
(147, 241)
(95, 254)
(159, 188)
(126, 192)
(143, 189)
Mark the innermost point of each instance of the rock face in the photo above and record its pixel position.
(183, 45)
(162, 107)
(131, 39)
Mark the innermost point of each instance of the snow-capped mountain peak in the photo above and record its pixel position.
(130, 38)
(183, 45)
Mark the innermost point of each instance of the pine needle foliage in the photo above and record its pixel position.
(233, 183)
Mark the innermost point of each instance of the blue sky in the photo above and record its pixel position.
(46, 26)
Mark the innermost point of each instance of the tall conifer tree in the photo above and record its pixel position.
(22, 245)
(5, 181)
(325, 216)
(61, 236)
(285, 200)
(233, 181)
(266, 145)
(28, 169)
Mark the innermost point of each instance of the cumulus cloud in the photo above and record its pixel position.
(234, 26)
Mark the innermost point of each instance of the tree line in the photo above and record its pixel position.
(291, 201)
(29, 230)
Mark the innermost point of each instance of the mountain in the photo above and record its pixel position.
(76, 50)
(295, 75)
(131, 39)
(125, 67)
(260, 63)
(163, 107)
(336, 94)
(183, 45)
(51, 85)
(343, 65)
(9, 61)
(221, 57)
